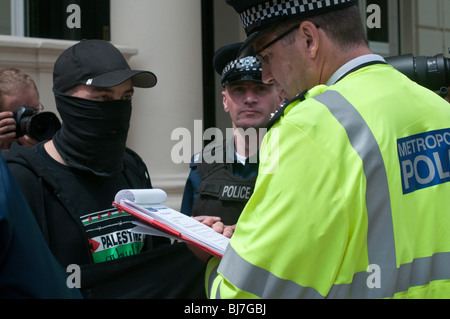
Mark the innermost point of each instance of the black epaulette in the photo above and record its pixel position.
(280, 112)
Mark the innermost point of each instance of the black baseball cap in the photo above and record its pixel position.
(259, 16)
(233, 68)
(96, 63)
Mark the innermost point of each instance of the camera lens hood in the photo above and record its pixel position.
(43, 126)
(39, 126)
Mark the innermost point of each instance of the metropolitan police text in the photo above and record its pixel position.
(424, 160)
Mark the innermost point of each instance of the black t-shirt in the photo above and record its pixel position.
(105, 227)
(74, 211)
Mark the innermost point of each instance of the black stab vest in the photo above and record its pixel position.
(221, 193)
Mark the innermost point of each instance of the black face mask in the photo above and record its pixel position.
(93, 134)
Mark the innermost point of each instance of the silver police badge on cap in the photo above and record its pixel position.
(247, 68)
(247, 62)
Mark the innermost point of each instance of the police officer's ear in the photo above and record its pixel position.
(225, 101)
(308, 33)
(280, 97)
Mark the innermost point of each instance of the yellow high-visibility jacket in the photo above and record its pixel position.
(352, 198)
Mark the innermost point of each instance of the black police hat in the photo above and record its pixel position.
(233, 69)
(96, 63)
(258, 16)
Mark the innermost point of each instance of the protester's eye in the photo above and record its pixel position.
(104, 98)
(128, 97)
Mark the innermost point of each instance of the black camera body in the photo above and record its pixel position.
(39, 126)
(430, 72)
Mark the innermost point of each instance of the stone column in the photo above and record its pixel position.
(167, 35)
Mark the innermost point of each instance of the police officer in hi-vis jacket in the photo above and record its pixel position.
(358, 206)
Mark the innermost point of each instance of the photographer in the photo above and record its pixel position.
(16, 88)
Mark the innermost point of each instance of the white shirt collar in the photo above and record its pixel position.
(353, 64)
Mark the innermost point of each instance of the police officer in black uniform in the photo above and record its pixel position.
(223, 175)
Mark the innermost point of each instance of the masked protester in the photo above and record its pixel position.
(71, 180)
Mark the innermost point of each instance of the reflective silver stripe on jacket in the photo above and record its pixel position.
(380, 237)
(380, 232)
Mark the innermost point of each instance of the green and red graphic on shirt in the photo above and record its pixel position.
(109, 235)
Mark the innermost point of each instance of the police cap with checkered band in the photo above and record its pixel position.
(258, 16)
(233, 69)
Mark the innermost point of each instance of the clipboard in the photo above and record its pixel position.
(170, 222)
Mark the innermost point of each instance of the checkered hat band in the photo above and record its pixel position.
(283, 8)
(242, 65)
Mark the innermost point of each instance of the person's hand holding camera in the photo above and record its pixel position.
(27, 126)
(7, 130)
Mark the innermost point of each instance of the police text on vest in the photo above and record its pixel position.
(236, 192)
(424, 160)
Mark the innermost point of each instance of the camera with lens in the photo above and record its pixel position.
(39, 126)
(430, 72)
